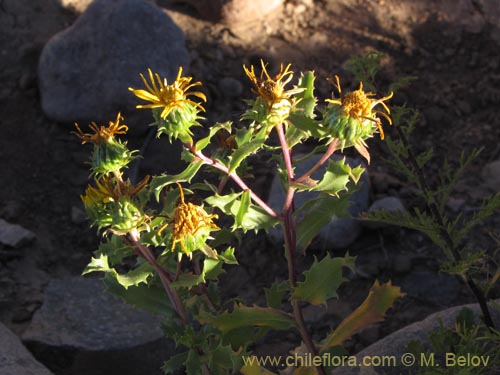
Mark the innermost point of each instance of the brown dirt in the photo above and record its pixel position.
(449, 48)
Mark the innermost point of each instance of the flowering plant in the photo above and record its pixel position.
(168, 259)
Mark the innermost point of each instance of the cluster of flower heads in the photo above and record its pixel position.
(117, 204)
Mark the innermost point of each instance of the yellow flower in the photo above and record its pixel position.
(359, 105)
(111, 204)
(170, 97)
(109, 189)
(189, 220)
(102, 134)
(272, 89)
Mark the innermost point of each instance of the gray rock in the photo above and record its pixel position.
(340, 232)
(85, 71)
(15, 359)
(391, 204)
(75, 5)
(491, 175)
(437, 288)
(396, 343)
(81, 329)
(14, 235)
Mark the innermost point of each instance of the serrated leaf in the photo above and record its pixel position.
(188, 280)
(243, 209)
(175, 363)
(294, 136)
(151, 297)
(322, 280)
(380, 299)
(115, 249)
(254, 219)
(307, 125)
(336, 178)
(316, 214)
(204, 142)
(276, 293)
(228, 256)
(243, 135)
(221, 357)
(159, 182)
(132, 278)
(242, 152)
(307, 99)
(245, 316)
(212, 268)
(193, 363)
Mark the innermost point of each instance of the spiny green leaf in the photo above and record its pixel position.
(188, 280)
(228, 256)
(132, 278)
(307, 125)
(212, 268)
(317, 213)
(245, 150)
(204, 142)
(175, 363)
(307, 99)
(194, 363)
(337, 176)
(116, 250)
(322, 280)
(221, 357)
(243, 135)
(254, 219)
(243, 209)
(372, 310)
(159, 182)
(276, 293)
(245, 316)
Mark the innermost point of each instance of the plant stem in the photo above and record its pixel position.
(436, 213)
(237, 180)
(290, 236)
(165, 278)
(332, 147)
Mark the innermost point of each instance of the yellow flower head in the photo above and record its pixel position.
(189, 220)
(272, 89)
(360, 106)
(110, 204)
(103, 133)
(109, 189)
(170, 97)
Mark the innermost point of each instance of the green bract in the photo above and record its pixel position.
(178, 123)
(110, 156)
(349, 130)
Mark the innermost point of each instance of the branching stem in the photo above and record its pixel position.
(237, 179)
(290, 236)
(165, 278)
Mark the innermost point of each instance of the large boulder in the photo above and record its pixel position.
(81, 329)
(395, 345)
(15, 359)
(85, 71)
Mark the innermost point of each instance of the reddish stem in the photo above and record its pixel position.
(237, 180)
(332, 147)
